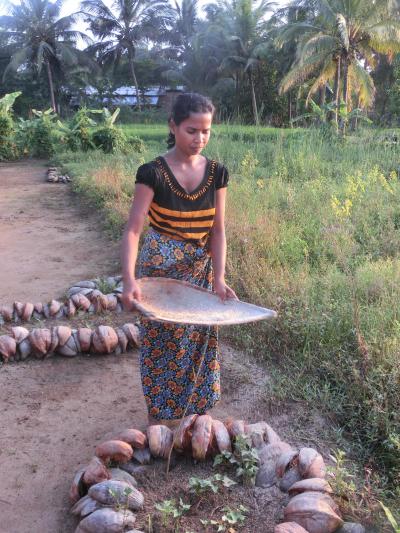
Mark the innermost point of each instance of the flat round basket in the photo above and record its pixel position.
(170, 300)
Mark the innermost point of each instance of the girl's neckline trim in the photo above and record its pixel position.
(177, 188)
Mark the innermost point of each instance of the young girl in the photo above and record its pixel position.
(183, 193)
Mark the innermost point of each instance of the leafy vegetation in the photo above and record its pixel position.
(172, 509)
(332, 39)
(201, 491)
(229, 518)
(7, 130)
(312, 223)
(201, 486)
(78, 132)
(244, 459)
(107, 136)
(259, 62)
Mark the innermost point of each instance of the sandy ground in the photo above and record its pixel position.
(46, 241)
(54, 412)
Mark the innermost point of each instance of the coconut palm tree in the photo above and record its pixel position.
(192, 49)
(185, 25)
(340, 45)
(244, 26)
(122, 27)
(40, 38)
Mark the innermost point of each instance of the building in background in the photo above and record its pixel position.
(151, 97)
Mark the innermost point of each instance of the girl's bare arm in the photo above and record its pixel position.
(143, 197)
(218, 247)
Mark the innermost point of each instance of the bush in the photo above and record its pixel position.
(110, 139)
(137, 144)
(8, 147)
(37, 137)
(77, 133)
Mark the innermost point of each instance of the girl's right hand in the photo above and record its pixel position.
(130, 294)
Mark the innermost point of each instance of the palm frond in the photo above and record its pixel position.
(251, 62)
(97, 9)
(74, 35)
(67, 54)
(317, 44)
(232, 63)
(262, 51)
(385, 39)
(17, 59)
(360, 78)
(327, 73)
(292, 32)
(299, 73)
(367, 53)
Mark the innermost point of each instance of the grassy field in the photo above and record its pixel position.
(313, 225)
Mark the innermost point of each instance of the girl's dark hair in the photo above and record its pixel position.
(185, 104)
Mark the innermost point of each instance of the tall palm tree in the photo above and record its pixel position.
(244, 25)
(39, 37)
(340, 45)
(192, 49)
(185, 25)
(121, 28)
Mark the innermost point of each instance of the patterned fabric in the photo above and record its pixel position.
(170, 354)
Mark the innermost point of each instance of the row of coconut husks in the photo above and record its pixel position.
(43, 342)
(109, 477)
(83, 297)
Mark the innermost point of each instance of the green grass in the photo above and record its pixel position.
(313, 226)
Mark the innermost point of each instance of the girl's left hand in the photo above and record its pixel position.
(223, 291)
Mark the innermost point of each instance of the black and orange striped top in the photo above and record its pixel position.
(175, 212)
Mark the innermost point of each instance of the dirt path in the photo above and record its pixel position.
(46, 241)
(54, 412)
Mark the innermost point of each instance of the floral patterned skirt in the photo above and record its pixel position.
(170, 354)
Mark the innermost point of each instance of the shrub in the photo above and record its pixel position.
(37, 136)
(77, 134)
(8, 147)
(137, 144)
(109, 137)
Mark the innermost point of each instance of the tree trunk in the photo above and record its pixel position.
(290, 108)
(51, 86)
(345, 93)
(355, 119)
(253, 98)
(237, 95)
(322, 95)
(133, 74)
(337, 92)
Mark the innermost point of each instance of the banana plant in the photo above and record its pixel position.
(7, 101)
(321, 114)
(77, 133)
(109, 118)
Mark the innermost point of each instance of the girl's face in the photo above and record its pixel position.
(193, 134)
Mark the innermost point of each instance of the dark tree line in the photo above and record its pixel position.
(258, 63)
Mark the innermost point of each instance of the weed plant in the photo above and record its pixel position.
(313, 227)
